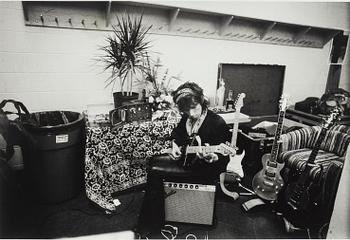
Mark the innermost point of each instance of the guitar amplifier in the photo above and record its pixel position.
(189, 203)
(131, 112)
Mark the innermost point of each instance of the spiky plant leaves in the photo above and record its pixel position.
(126, 50)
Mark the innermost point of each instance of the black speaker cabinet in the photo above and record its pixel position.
(256, 143)
(189, 203)
(255, 148)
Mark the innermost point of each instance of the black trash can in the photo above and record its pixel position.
(54, 159)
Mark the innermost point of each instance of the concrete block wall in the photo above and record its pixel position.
(51, 69)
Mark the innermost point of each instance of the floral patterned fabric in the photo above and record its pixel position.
(116, 158)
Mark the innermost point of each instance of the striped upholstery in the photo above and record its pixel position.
(297, 145)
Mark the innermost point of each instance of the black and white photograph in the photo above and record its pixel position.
(195, 119)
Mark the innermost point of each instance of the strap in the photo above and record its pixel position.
(234, 195)
(18, 105)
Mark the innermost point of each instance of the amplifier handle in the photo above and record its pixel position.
(121, 113)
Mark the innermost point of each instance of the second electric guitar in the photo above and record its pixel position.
(234, 167)
(268, 182)
(235, 164)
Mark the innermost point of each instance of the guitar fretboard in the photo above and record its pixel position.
(317, 146)
(305, 174)
(278, 132)
(204, 149)
(207, 149)
(234, 132)
(238, 104)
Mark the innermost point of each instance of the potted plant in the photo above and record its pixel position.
(124, 55)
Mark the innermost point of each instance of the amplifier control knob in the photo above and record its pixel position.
(196, 187)
(175, 185)
(191, 186)
(180, 185)
(186, 186)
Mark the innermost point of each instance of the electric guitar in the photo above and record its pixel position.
(297, 194)
(234, 167)
(268, 182)
(235, 163)
(222, 149)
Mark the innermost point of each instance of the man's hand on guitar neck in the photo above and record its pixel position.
(208, 157)
(176, 154)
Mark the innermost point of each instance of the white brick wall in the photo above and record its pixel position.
(51, 69)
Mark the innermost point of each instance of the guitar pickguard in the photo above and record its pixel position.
(235, 164)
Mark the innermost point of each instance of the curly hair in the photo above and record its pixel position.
(189, 95)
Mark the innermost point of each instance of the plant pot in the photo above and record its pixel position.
(120, 99)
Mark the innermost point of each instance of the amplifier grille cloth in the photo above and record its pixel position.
(190, 205)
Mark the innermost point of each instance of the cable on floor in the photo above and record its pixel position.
(247, 189)
(173, 233)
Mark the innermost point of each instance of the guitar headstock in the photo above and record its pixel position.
(332, 118)
(239, 102)
(226, 149)
(284, 102)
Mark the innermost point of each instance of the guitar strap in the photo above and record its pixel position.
(192, 127)
(196, 138)
(234, 195)
(199, 140)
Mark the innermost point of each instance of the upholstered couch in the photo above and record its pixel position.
(297, 145)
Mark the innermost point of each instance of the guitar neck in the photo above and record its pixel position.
(305, 174)
(316, 148)
(278, 132)
(207, 149)
(234, 131)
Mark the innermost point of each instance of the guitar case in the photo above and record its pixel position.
(309, 105)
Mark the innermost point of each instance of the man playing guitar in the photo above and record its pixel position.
(198, 125)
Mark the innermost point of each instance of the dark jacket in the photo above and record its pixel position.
(213, 130)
